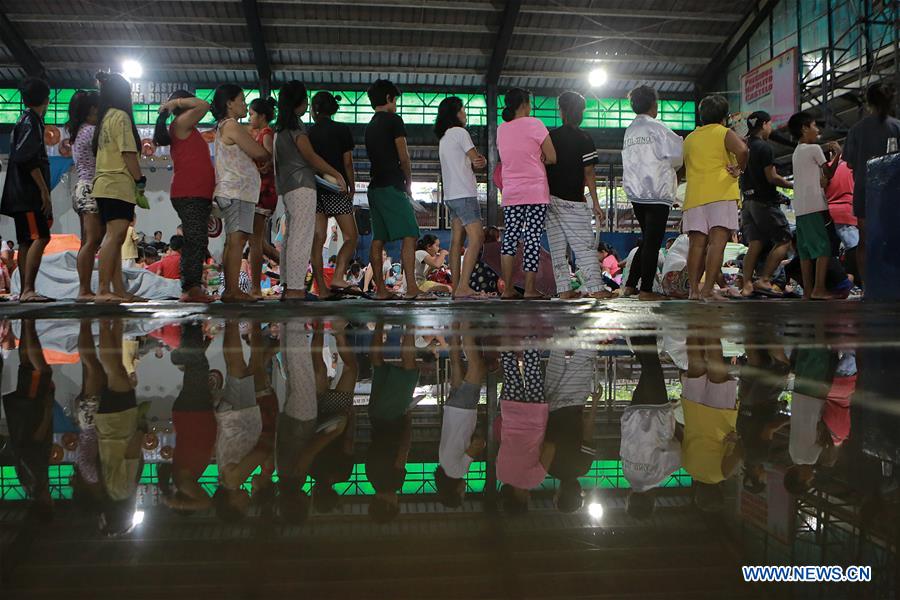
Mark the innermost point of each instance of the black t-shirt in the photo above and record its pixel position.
(574, 150)
(753, 182)
(382, 130)
(331, 141)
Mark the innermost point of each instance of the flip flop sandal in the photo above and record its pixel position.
(421, 297)
(38, 299)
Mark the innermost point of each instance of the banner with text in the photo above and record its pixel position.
(772, 87)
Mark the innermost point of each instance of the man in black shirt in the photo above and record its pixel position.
(390, 189)
(763, 224)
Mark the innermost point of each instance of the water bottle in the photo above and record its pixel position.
(891, 146)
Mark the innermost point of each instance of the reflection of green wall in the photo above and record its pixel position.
(417, 108)
(604, 474)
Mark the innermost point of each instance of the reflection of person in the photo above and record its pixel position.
(569, 383)
(524, 456)
(393, 388)
(119, 438)
(337, 419)
(29, 413)
(711, 451)
(650, 446)
(460, 443)
(86, 478)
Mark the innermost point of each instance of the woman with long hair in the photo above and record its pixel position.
(117, 180)
(569, 216)
(193, 185)
(866, 140)
(525, 147)
(262, 112)
(82, 120)
(458, 159)
(296, 165)
(334, 143)
(237, 182)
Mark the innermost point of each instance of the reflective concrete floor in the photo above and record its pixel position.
(467, 450)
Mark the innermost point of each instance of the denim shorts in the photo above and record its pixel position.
(849, 235)
(466, 210)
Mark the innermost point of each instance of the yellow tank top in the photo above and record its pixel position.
(705, 158)
(704, 447)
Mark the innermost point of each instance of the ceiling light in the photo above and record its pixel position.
(137, 518)
(598, 77)
(132, 69)
(595, 510)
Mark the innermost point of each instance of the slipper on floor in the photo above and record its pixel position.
(420, 297)
(38, 299)
(350, 290)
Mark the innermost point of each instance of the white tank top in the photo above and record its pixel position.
(236, 174)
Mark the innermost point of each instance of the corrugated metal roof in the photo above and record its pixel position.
(417, 42)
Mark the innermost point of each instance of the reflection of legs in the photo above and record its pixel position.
(533, 376)
(696, 358)
(350, 372)
(93, 378)
(716, 367)
(513, 386)
(111, 356)
(476, 371)
(408, 350)
(318, 348)
(651, 387)
(299, 374)
(233, 351)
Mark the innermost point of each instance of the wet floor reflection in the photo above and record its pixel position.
(175, 437)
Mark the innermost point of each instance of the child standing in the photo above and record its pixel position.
(811, 176)
(390, 189)
(26, 193)
(262, 111)
(82, 120)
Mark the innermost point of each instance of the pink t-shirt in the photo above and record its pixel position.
(611, 264)
(524, 175)
(522, 429)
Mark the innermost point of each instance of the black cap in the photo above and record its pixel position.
(757, 119)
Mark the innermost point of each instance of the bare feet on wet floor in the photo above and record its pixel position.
(652, 297)
(231, 298)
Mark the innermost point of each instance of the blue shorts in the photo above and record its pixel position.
(466, 210)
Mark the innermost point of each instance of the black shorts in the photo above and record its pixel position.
(32, 226)
(113, 209)
(764, 222)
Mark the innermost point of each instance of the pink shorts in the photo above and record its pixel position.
(723, 213)
(714, 395)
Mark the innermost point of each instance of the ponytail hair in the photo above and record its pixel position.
(292, 95)
(161, 135)
(571, 107)
(514, 98)
(425, 241)
(447, 115)
(115, 92)
(880, 97)
(80, 109)
(324, 104)
(264, 107)
(224, 94)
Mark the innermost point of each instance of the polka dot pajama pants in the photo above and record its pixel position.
(524, 221)
(525, 385)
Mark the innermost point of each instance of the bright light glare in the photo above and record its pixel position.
(595, 509)
(137, 518)
(598, 77)
(132, 69)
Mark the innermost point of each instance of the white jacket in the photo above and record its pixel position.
(651, 154)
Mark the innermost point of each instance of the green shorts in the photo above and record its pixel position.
(812, 236)
(392, 215)
(392, 391)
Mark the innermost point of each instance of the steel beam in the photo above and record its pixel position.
(258, 43)
(503, 41)
(19, 48)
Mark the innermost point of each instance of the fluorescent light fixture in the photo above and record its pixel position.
(132, 69)
(598, 77)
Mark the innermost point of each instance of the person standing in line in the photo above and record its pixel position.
(296, 164)
(651, 156)
(334, 143)
(839, 195)
(458, 159)
(868, 139)
(762, 221)
(117, 180)
(525, 148)
(262, 112)
(193, 185)
(714, 158)
(390, 190)
(82, 120)
(568, 215)
(237, 182)
(26, 191)
(811, 175)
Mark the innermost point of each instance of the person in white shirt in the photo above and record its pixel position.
(460, 442)
(458, 159)
(811, 176)
(651, 155)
